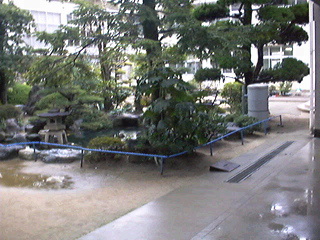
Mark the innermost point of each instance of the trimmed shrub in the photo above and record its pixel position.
(232, 92)
(104, 143)
(18, 94)
(211, 74)
(243, 121)
(93, 119)
(9, 111)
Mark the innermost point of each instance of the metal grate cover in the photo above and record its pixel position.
(255, 166)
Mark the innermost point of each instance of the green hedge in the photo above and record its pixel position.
(18, 94)
(104, 143)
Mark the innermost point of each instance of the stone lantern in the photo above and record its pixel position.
(54, 130)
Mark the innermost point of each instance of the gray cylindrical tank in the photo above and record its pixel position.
(258, 104)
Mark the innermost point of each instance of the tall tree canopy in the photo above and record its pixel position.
(150, 23)
(14, 25)
(91, 40)
(228, 39)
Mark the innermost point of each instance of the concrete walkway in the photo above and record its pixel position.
(281, 200)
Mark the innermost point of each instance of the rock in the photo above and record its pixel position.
(19, 137)
(126, 120)
(27, 153)
(29, 128)
(7, 153)
(60, 155)
(33, 137)
(35, 126)
(12, 126)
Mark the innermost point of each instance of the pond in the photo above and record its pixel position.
(11, 175)
(83, 137)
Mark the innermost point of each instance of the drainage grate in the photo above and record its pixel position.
(263, 160)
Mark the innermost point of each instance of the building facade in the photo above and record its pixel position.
(314, 10)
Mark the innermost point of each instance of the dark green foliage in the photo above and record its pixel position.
(57, 71)
(9, 111)
(242, 121)
(82, 105)
(229, 42)
(232, 92)
(290, 69)
(301, 13)
(15, 23)
(276, 14)
(211, 74)
(18, 94)
(292, 34)
(104, 143)
(176, 122)
(53, 100)
(210, 12)
(93, 119)
(187, 127)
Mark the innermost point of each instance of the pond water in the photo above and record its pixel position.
(83, 137)
(12, 176)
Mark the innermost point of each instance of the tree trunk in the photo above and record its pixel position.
(259, 64)
(151, 32)
(138, 108)
(107, 104)
(3, 77)
(3, 87)
(105, 70)
(248, 75)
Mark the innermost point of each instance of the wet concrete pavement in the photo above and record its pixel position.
(281, 200)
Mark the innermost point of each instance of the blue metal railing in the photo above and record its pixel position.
(161, 157)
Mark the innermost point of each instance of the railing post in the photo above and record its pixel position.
(34, 152)
(241, 134)
(281, 125)
(81, 162)
(265, 127)
(162, 165)
(211, 149)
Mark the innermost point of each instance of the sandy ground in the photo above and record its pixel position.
(97, 194)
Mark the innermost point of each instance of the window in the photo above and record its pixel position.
(275, 50)
(275, 54)
(266, 63)
(227, 70)
(46, 21)
(193, 67)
